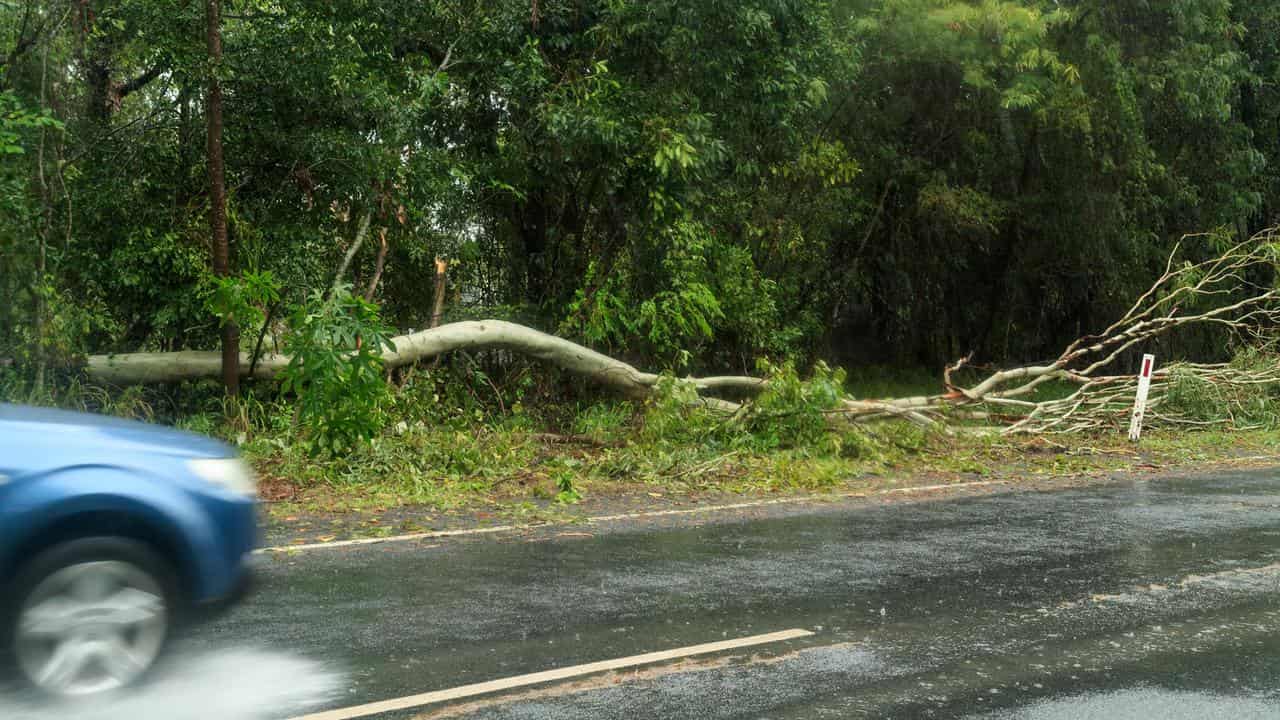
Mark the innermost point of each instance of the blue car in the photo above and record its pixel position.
(112, 532)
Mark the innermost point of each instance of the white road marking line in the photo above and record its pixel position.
(626, 516)
(388, 539)
(466, 691)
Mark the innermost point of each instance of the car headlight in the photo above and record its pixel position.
(228, 473)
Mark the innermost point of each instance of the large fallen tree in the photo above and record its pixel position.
(1235, 291)
(142, 368)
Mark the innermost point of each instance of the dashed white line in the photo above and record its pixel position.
(466, 691)
(625, 516)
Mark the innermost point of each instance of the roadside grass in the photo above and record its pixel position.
(525, 475)
(520, 457)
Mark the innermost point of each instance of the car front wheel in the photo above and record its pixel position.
(92, 616)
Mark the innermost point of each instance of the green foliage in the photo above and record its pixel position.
(17, 121)
(794, 413)
(672, 414)
(461, 393)
(242, 299)
(134, 403)
(676, 319)
(335, 370)
(1195, 398)
(28, 296)
(603, 421)
(420, 464)
(563, 472)
(1190, 396)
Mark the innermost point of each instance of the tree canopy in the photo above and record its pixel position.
(694, 184)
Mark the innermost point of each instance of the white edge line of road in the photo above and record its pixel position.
(625, 516)
(519, 681)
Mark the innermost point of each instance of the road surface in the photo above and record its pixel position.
(1139, 599)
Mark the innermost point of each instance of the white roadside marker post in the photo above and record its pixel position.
(1140, 403)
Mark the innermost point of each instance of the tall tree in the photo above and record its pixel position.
(218, 191)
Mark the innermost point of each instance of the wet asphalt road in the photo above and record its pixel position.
(1142, 599)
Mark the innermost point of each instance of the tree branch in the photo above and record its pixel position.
(362, 232)
(378, 265)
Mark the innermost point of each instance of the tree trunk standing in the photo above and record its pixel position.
(42, 237)
(218, 191)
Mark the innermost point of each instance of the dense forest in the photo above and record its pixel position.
(688, 185)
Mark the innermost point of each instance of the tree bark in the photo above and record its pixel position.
(378, 266)
(230, 360)
(437, 305)
(141, 368)
(42, 236)
(362, 231)
(131, 368)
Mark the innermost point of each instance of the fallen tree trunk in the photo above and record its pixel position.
(1222, 290)
(144, 368)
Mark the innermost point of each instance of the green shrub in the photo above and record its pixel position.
(242, 299)
(673, 415)
(563, 472)
(1193, 397)
(793, 413)
(335, 369)
(11, 386)
(603, 420)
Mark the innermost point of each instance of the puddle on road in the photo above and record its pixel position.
(1143, 704)
(228, 685)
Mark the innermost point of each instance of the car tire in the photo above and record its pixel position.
(89, 616)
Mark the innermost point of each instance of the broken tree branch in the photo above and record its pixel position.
(1224, 291)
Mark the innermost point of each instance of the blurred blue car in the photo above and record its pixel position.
(111, 533)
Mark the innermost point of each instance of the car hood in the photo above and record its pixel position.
(74, 431)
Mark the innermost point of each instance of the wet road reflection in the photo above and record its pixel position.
(240, 684)
(1144, 704)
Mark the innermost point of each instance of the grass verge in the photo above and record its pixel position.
(514, 474)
